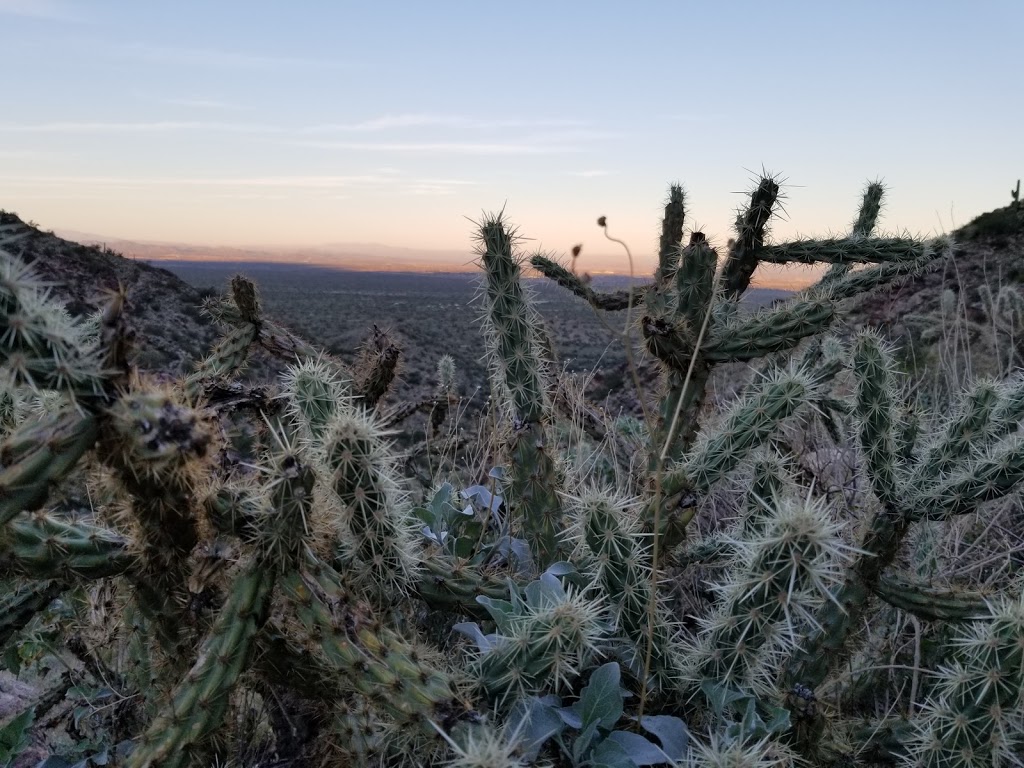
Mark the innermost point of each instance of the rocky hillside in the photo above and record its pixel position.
(972, 301)
(162, 310)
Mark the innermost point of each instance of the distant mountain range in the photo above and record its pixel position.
(360, 257)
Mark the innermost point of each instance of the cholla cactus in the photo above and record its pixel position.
(286, 553)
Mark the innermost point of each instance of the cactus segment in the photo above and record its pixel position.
(374, 661)
(610, 532)
(695, 281)
(746, 425)
(870, 208)
(671, 234)
(44, 546)
(972, 719)
(971, 425)
(546, 637)
(778, 577)
(313, 388)
(199, 701)
(615, 300)
(876, 411)
(853, 250)
(768, 331)
(41, 346)
(932, 603)
(534, 477)
(455, 585)
(994, 473)
(751, 227)
(38, 455)
(226, 359)
(511, 321)
(376, 367)
(381, 540)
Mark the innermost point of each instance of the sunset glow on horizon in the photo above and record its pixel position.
(319, 123)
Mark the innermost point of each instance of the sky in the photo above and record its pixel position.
(401, 123)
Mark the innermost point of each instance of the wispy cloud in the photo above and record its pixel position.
(53, 10)
(447, 147)
(155, 126)
(416, 120)
(208, 57)
(259, 182)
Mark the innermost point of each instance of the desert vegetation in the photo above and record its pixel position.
(815, 562)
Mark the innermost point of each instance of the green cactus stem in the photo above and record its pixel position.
(18, 606)
(608, 301)
(376, 367)
(621, 553)
(37, 456)
(671, 239)
(751, 228)
(45, 546)
(932, 603)
(535, 483)
(199, 701)
(373, 661)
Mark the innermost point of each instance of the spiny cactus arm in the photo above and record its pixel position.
(777, 577)
(749, 424)
(695, 280)
(671, 239)
(535, 482)
(825, 646)
(1010, 411)
(377, 366)
(546, 638)
(282, 343)
(227, 358)
(44, 546)
(369, 659)
(932, 603)
(608, 301)
(511, 320)
(751, 226)
(38, 455)
(993, 474)
(972, 717)
(608, 530)
(455, 585)
(876, 411)
(199, 701)
(771, 480)
(870, 208)
(313, 388)
(381, 544)
(886, 273)
(20, 605)
(970, 425)
(854, 250)
(153, 442)
(41, 346)
(680, 408)
(768, 331)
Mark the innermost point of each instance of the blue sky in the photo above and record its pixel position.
(299, 123)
